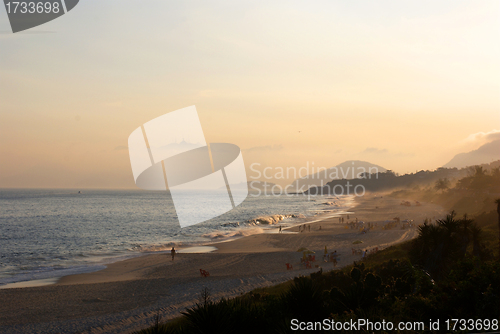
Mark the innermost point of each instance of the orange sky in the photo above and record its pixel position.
(398, 84)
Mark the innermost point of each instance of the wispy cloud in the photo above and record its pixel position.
(483, 136)
(372, 150)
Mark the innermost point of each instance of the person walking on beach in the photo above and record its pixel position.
(280, 228)
(334, 258)
(172, 252)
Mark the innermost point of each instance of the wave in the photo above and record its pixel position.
(330, 203)
(272, 219)
(249, 227)
(218, 235)
(163, 247)
(232, 230)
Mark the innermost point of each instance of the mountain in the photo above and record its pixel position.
(485, 154)
(348, 170)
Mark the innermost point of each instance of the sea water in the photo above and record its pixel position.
(46, 234)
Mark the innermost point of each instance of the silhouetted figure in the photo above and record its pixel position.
(172, 252)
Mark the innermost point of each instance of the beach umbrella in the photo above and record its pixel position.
(308, 252)
(301, 249)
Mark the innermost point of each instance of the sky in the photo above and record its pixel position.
(402, 84)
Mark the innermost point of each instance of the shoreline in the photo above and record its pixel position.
(223, 246)
(127, 295)
(109, 261)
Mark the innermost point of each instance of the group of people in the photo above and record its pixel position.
(366, 251)
(331, 257)
(303, 228)
(341, 219)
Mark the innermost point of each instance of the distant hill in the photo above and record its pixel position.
(347, 170)
(485, 154)
(390, 181)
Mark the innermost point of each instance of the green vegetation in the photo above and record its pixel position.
(471, 190)
(474, 193)
(443, 178)
(445, 186)
(446, 272)
(442, 184)
(440, 245)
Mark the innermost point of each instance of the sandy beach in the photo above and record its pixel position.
(127, 295)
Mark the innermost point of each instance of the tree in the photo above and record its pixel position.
(442, 184)
(495, 172)
(498, 211)
(476, 171)
(439, 245)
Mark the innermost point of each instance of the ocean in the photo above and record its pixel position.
(46, 234)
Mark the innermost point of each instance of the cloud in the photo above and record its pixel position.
(375, 150)
(483, 136)
(268, 148)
